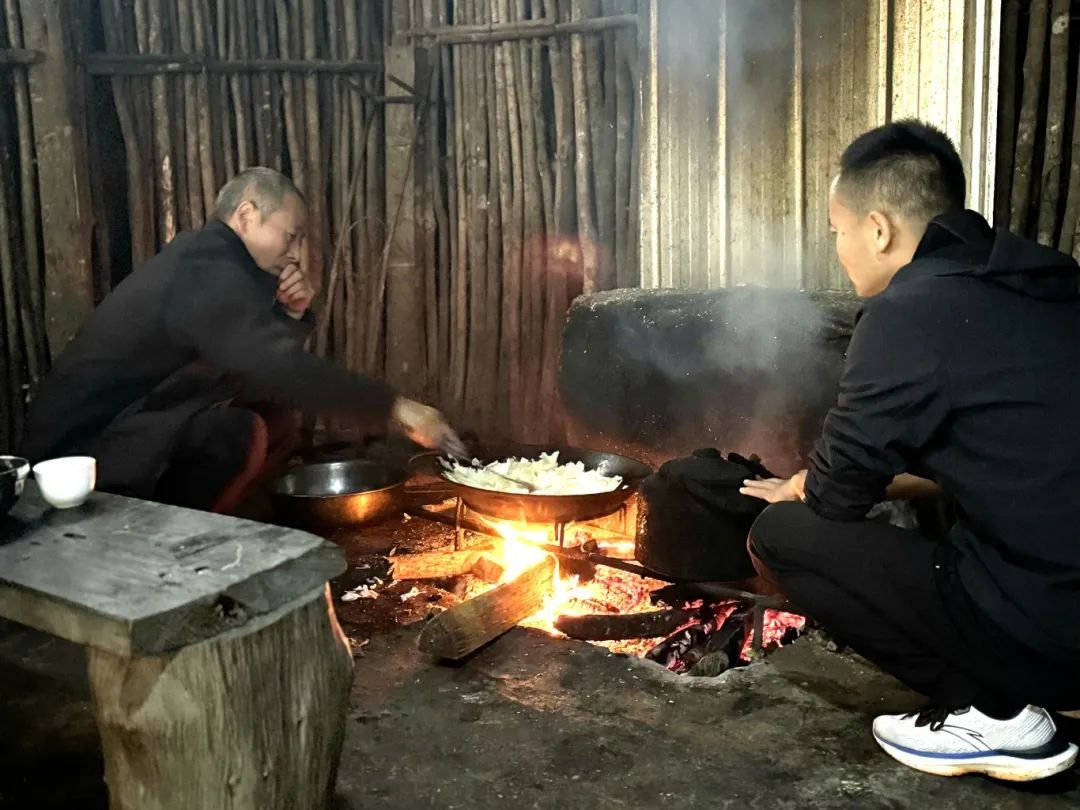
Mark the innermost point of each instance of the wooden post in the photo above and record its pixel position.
(251, 718)
(63, 178)
(405, 329)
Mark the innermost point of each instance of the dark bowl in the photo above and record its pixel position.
(13, 472)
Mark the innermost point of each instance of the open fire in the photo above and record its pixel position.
(631, 614)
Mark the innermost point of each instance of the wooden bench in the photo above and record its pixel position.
(219, 673)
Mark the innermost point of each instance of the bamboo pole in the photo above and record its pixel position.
(223, 116)
(208, 177)
(532, 264)
(175, 95)
(460, 215)
(15, 357)
(151, 24)
(508, 326)
(1006, 124)
(230, 37)
(1029, 117)
(602, 144)
(489, 393)
(1055, 121)
(37, 352)
(625, 111)
(315, 173)
(196, 199)
(582, 159)
(293, 132)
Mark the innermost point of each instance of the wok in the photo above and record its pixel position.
(549, 509)
(339, 493)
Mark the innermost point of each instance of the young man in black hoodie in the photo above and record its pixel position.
(166, 382)
(961, 374)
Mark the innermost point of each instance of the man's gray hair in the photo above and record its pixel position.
(266, 188)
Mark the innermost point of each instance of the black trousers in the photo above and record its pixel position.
(884, 592)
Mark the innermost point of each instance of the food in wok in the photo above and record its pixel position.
(545, 476)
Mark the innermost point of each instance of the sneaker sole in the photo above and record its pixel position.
(997, 766)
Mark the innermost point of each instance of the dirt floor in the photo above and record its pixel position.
(534, 721)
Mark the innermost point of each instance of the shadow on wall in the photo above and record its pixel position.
(658, 373)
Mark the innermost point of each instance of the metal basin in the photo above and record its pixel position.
(340, 493)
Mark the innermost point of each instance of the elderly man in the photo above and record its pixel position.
(160, 383)
(962, 371)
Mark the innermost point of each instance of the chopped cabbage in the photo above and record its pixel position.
(546, 474)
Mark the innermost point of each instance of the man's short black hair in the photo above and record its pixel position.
(266, 188)
(906, 168)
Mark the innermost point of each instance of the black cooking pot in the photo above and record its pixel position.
(692, 520)
(13, 472)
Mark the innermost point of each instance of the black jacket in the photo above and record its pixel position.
(194, 326)
(966, 370)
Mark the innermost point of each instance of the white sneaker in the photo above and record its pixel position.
(962, 741)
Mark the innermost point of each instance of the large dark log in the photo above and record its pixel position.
(615, 626)
(659, 373)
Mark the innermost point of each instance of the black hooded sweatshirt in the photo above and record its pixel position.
(966, 370)
(192, 328)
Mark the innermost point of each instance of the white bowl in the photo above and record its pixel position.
(66, 482)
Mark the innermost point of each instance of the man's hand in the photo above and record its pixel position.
(294, 291)
(775, 490)
(426, 426)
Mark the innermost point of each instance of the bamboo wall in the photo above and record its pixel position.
(1038, 165)
(748, 106)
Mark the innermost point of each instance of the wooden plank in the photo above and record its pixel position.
(63, 179)
(113, 64)
(467, 627)
(139, 578)
(20, 56)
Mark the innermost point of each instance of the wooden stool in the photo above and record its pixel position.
(219, 673)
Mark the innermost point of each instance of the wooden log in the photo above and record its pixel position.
(488, 569)
(63, 179)
(266, 730)
(615, 626)
(1029, 123)
(1049, 213)
(467, 627)
(439, 564)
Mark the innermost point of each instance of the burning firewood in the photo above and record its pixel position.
(615, 626)
(446, 564)
(465, 628)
